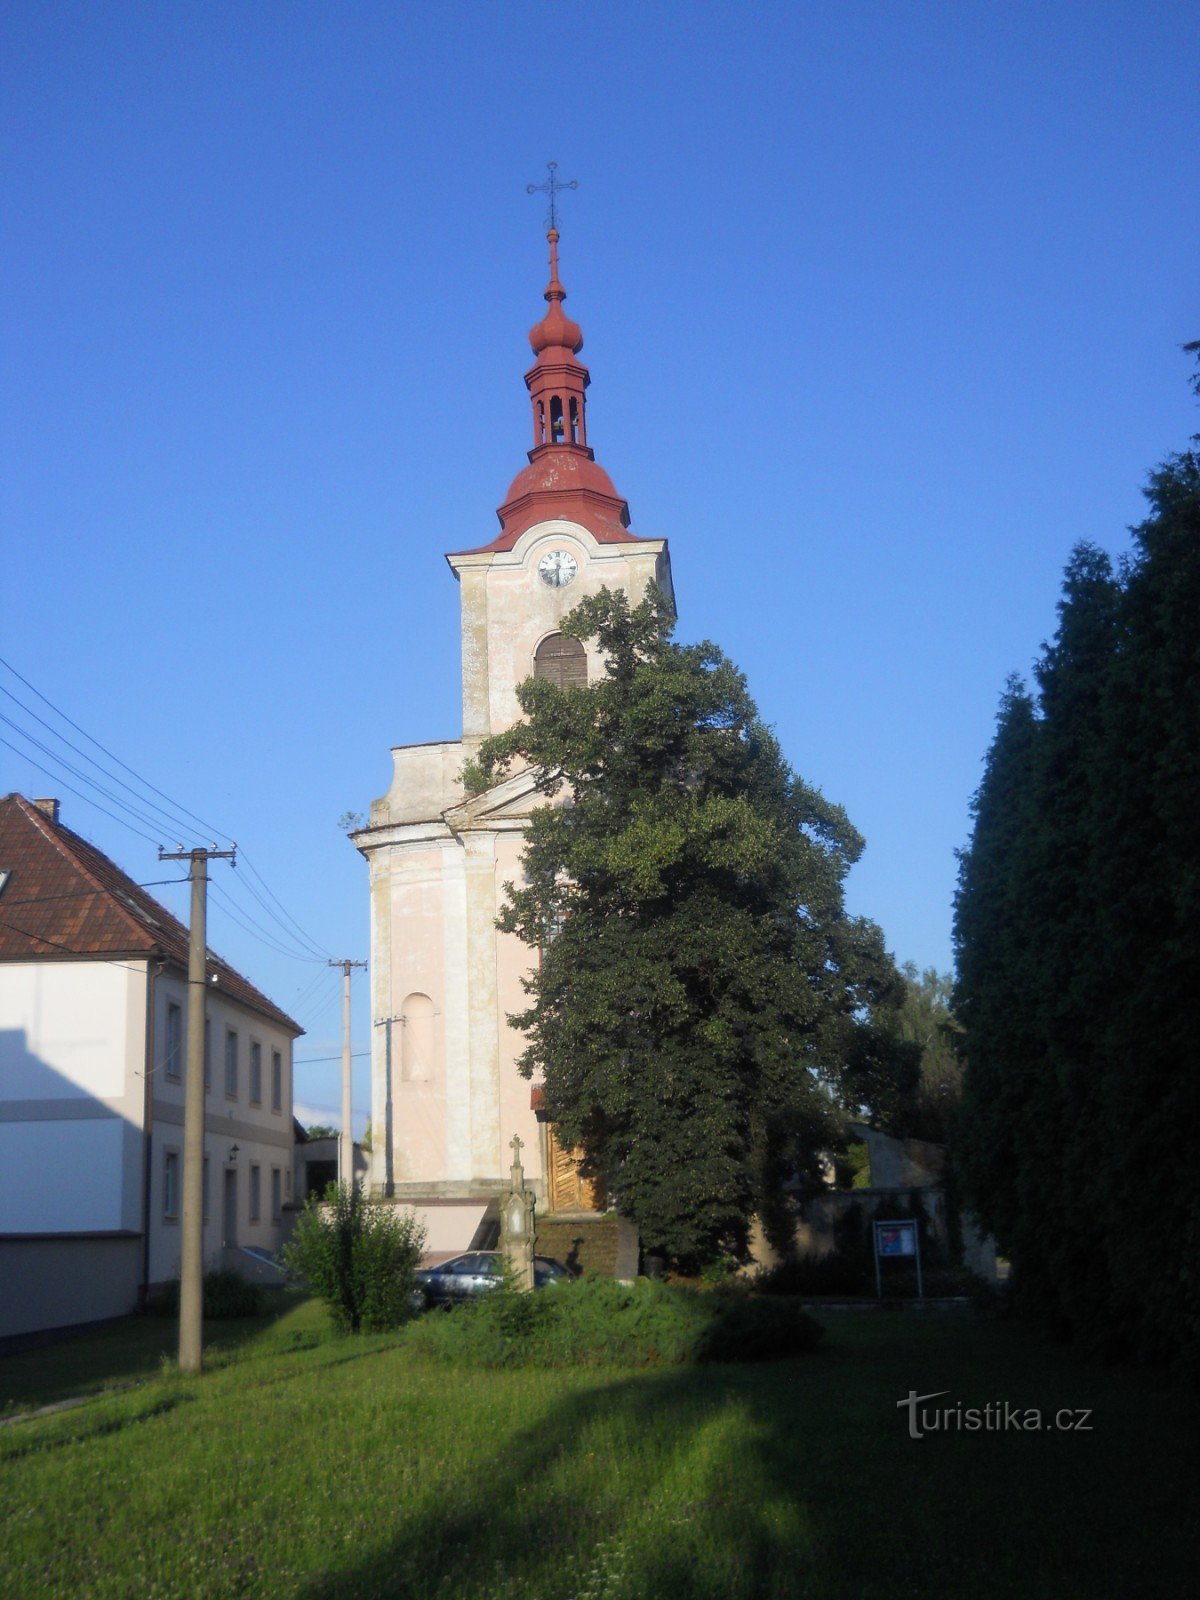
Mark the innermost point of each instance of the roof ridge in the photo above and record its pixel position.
(53, 831)
(155, 929)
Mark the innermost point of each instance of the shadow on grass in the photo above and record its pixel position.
(800, 1480)
(132, 1348)
(15, 1444)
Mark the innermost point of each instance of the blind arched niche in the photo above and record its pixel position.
(417, 1039)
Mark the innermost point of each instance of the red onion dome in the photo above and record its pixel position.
(555, 331)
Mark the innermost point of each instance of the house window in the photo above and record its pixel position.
(207, 1053)
(255, 1193)
(231, 1064)
(276, 1081)
(174, 1058)
(255, 1073)
(171, 1184)
(276, 1194)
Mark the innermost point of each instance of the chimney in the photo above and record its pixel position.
(48, 808)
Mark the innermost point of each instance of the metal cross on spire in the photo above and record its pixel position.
(552, 186)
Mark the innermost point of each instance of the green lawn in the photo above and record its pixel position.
(322, 1468)
(128, 1350)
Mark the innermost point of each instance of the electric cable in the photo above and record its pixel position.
(78, 793)
(207, 826)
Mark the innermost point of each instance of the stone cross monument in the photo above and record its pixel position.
(516, 1222)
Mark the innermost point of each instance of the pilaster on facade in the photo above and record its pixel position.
(479, 854)
(456, 1028)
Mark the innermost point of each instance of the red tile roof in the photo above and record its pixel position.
(64, 899)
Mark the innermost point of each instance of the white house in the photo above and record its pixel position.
(93, 1006)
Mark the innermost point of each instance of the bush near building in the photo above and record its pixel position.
(601, 1323)
(359, 1258)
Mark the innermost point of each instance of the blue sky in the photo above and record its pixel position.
(883, 305)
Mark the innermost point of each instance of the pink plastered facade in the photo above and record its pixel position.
(444, 981)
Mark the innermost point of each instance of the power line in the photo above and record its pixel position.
(307, 989)
(78, 793)
(84, 954)
(318, 1006)
(79, 894)
(317, 1061)
(314, 949)
(290, 928)
(207, 826)
(246, 919)
(62, 738)
(84, 777)
(304, 940)
(257, 930)
(307, 939)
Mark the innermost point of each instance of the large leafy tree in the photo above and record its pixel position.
(922, 1020)
(699, 1008)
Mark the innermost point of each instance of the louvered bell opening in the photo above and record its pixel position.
(563, 661)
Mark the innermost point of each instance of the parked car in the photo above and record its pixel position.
(464, 1276)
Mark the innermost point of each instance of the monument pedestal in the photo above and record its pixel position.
(517, 1237)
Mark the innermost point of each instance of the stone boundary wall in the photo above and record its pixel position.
(603, 1243)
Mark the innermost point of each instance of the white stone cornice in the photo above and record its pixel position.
(401, 834)
(504, 807)
(556, 530)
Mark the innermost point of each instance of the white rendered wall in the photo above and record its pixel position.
(71, 1096)
(64, 1177)
(263, 1135)
(65, 1029)
(506, 610)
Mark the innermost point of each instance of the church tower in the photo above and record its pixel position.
(446, 1093)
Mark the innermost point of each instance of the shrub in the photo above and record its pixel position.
(746, 1329)
(225, 1294)
(600, 1322)
(811, 1274)
(835, 1274)
(360, 1258)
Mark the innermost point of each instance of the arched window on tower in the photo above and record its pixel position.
(563, 661)
(556, 420)
(574, 420)
(416, 1039)
(540, 423)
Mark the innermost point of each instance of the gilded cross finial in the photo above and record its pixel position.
(552, 186)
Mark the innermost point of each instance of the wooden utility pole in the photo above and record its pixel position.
(191, 1243)
(346, 1142)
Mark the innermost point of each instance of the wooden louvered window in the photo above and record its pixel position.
(562, 660)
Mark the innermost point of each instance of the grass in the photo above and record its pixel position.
(313, 1467)
(131, 1349)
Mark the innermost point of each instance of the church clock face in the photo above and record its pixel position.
(557, 568)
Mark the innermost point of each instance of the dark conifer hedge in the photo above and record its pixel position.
(1077, 928)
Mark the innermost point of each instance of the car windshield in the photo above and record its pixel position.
(476, 1264)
